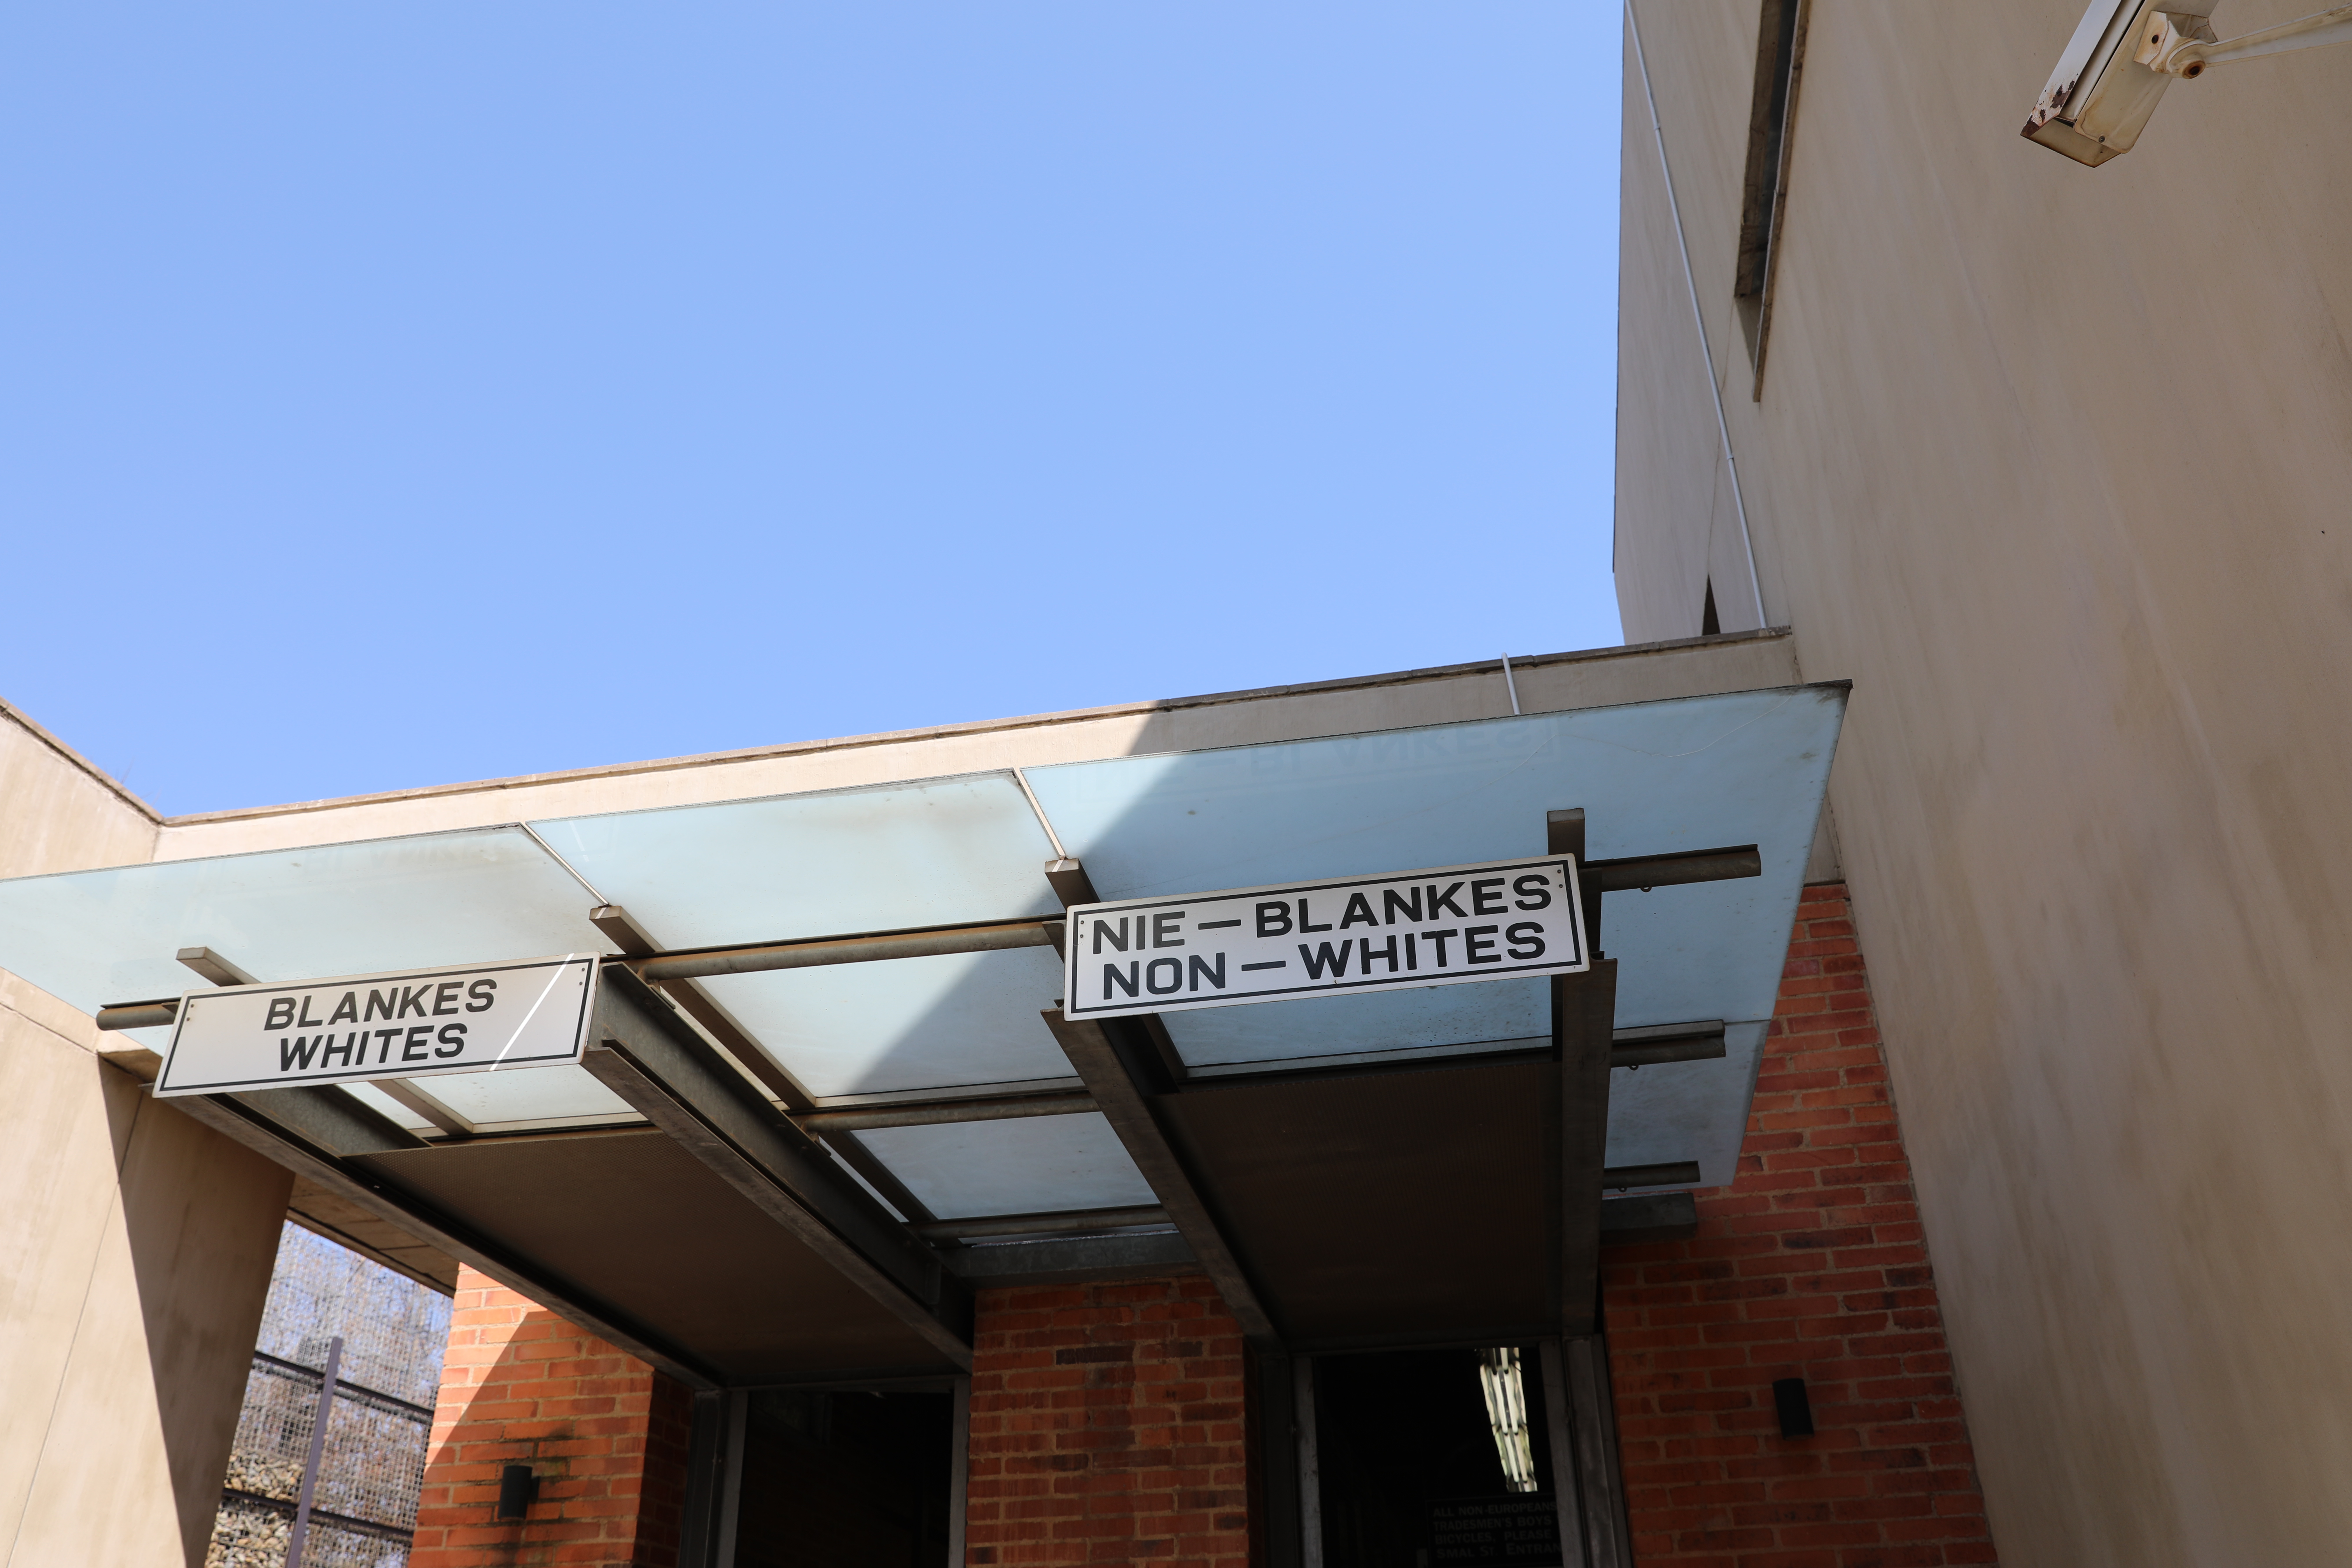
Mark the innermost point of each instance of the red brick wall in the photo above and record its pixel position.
(1107, 1426)
(605, 1434)
(1809, 1265)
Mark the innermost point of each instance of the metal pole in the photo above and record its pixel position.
(1559, 1429)
(1698, 314)
(730, 1496)
(294, 1538)
(960, 1472)
(1310, 1465)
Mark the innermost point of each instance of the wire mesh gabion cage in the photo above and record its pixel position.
(371, 1464)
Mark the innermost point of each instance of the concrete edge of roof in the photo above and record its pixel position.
(936, 731)
(115, 787)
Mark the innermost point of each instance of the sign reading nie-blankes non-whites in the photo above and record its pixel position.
(479, 1018)
(1393, 933)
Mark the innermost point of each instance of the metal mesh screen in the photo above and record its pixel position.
(363, 1498)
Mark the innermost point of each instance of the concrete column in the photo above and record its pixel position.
(134, 1259)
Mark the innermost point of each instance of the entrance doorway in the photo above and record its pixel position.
(846, 1478)
(1435, 1458)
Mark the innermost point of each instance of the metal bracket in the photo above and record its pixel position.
(1110, 1076)
(2178, 44)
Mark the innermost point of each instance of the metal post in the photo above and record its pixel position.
(1596, 1451)
(294, 1538)
(959, 1473)
(1272, 1393)
(1559, 1427)
(731, 1477)
(1310, 1465)
(705, 1468)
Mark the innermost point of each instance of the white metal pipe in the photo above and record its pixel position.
(1698, 317)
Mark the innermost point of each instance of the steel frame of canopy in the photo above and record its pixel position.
(668, 1049)
(710, 1089)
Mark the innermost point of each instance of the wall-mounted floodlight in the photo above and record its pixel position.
(518, 1489)
(2125, 53)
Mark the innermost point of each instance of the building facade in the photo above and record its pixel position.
(1146, 1389)
(2051, 461)
(1958, 1193)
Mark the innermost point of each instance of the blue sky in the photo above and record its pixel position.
(397, 394)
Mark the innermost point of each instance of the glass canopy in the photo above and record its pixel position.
(1653, 778)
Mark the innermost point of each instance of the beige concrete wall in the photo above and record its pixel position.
(134, 1258)
(2054, 463)
(135, 1246)
(1548, 683)
(59, 813)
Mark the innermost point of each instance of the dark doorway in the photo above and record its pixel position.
(845, 1480)
(1413, 1475)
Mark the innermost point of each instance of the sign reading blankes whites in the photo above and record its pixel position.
(419, 1022)
(1393, 933)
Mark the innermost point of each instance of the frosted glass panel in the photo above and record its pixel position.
(905, 1023)
(948, 851)
(96, 937)
(1036, 1165)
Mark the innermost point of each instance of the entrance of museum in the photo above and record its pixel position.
(849, 1478)
(1432, 1458)
(833, 1110)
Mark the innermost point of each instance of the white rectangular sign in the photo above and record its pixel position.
(1395, 932)
(410, 1025)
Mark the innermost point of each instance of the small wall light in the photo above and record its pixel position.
(517, 1487)
(1796, 1410)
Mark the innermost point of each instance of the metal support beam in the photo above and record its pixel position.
(750, 960)
(1653, 1216)
(1666, 1173)
(248, 1120)
(1070, 882)
(213, 967)
(328, 1119)
(617, 926)
(1060, 1220)
(932, 1113)
(1119, 1087)
(622, 929)
(120, 1016)
(1564, 834)
(1068, 1260)
(1583, 1008)
(1644, 872)
(1658, 1043)
(671, 1077)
